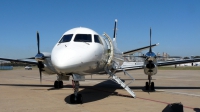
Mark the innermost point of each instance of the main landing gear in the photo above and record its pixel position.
(58, 83)
(76, 98)
(150, 85)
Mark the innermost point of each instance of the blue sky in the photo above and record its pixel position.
(175, 24)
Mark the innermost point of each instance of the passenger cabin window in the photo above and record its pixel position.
(66, 38)
(83, 38)
(97, 39)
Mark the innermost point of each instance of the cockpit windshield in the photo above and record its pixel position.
(97, 39)
(83, 38)
(66, 38)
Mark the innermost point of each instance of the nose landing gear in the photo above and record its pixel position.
(76, 98)
(149, 85)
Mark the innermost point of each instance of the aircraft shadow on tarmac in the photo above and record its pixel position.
(99, 91)
(197, 109)
(96, 92)
(107, 88)
(168, 109)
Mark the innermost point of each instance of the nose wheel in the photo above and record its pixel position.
(149, 85)
(76, 98)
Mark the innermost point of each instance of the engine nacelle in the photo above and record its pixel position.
(48, 67)
(150, 69)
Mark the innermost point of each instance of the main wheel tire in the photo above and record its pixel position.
(72, 98)
(79, 99)
(60, 84)
(147, 86)
(152, 86)
(56, 84)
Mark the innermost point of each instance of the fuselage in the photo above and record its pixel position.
(80, 51)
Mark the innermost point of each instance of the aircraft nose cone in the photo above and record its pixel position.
(71, 58)
(76, 57)
(59, 58)
(63, 59)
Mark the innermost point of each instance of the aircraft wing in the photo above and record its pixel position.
(20, 60)
(139, 49)
(165, 63)
(178, 62)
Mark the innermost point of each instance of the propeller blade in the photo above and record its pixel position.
(38, 42)
(150, 50)
(40, 66)
(40, 74)
(169, 57)
(31, 58)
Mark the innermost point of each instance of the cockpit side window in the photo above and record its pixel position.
(83, 38)
(66, 38)
(97, 39)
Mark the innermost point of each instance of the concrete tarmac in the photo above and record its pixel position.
(21, 91)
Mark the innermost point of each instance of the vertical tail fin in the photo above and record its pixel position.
(115, 30)
(115, 34)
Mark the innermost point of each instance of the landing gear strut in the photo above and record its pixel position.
(75, 98)
(149, 85)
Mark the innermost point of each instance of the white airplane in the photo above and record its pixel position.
(81, 51)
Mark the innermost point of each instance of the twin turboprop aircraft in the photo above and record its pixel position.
(81, 51)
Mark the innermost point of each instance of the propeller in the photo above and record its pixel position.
(39, 57)
(38, 42)
(38, 46)
(40, 64)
